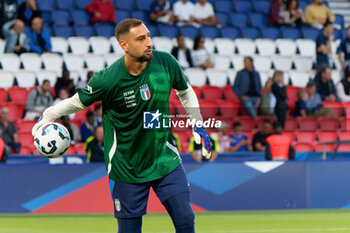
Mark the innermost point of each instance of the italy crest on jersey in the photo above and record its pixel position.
(145, 93)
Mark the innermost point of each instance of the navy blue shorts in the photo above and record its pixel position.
(130, 200)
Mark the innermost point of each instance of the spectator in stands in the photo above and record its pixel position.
(27, 11)
(200, 56)
(300, 105)
(3, 152)
(88, 77)
(161, 12)
(196, 150)
(39, 38)
(276, 10)
(8, 12)
(344, 50)
(184, 12)
(323, 45)
(268, 100)
(98, 112)
(343, 88)
(8, 132)
(204, 14)
(182, 53)
(38, 100)
(65, 82)
(73, 130)
(16, 41)
(94, 146)
(279, 146)
(87, 128)
(247, 86)
(259, 138)
(325, 86)
(240, 142)
(101, 11)
(63, 93)
(317, 14)
(222, 138)
(314, 103)
(293, 15)
(280, 92)
(175, 140)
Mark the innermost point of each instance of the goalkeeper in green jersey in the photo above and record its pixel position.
(135, 92)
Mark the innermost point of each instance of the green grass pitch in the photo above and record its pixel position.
(308, 221)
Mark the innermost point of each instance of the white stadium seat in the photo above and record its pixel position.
(79, 45)
(94, 62)
(115, 45)
(264, 76)
(217, 78)
(209, 45)
(75, 76)
(231, 74)
(52, 62)
(225, 46)
(266, 47)
(221, 62)
(303, 63)
(49, 75)
(336, 76)
(110, 58)
(10, 62)
(162, 44)
(237, 62)
(245, 47)
(189, 43)
(282, 63)
(299, 78)
(262, 63)
(73, 62)
(6, 79)
(25, 78)
(31, 61)
(59, 44)
(286, 47)
(2, 46)
(306, 47)
(100, 45)
(196, 76)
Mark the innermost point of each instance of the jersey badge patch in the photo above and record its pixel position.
(145, 93)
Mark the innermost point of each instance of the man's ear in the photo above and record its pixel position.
(124, 45)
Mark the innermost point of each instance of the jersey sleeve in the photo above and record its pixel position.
(94, 91)
(179, 80)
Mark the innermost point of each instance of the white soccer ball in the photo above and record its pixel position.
(52, 140)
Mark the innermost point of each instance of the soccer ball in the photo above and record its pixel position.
(52, 140)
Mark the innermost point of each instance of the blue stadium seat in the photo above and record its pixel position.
(84, 31)
(81, 18)
(251, 33)
(65, 4)
(61, 18)
(46, 5)
(104, 29)
(303, 4)
(168, 30)
(121, 14)
(258, 20)
(339, 19)
(261, 6)
(337, 34)
(189, 31)
(63, 31)
(125, 4)
(223, 6)
(230, 32)
(239, 20)
(81, 4)
(46, 16)
(153, 30)
(242, 6)
(209, 32)
(290, 33)
(271, 33)
(142, 15)
(144, 4)
(223, 17)
(344, 33)
(310, 33)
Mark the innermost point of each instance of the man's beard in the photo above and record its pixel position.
(145, 58)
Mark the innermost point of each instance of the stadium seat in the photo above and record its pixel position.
(73, 62)
(65, 4)
(16, 112)
(63, 31)
(153, 30)
(248, 124)
(84, 31)
(223, 17)
(239, 20)
(25, 150)
(264, 76)
(209, 109)
(100, 45)
(196, 76)
(306, 47)
(318, 147)
(105, 30)
(209, 45)
(47, 18)
(10, 62)
(144, 4)
(70, 151)
(217, 78)
(162, 44)
(116, 47)
(46, 5)
(242, 6)
(25, 79)
(303, 4)
(282, 63)
(198, 92)
(303, 63)
(299, 78)
(261, 6)
(310, 33)
(6, 79)
(3, 96)
(286, 47)
(121, 15)
(262, 64)
(110, 58)
(52, 62)
(307, 124)
(80, 18)
(328, 124)
(292, 96)
(209, 32)
(344, 148)
(230, 32)
(2, 46)
(245, 47)
(336, 76)
(231, 74)
(211, 93)
(335, 106)
(237, 62)
(291, 135)
(81, 4)
(250, 33)
(49, 75)
(309, 137)
(79, 45)
(222, 62)
(290, 124)
(168, 31)
(94, 62)
(79, 148)
(223, 6)
(25, 125)
(266, 47)
(343, 136)
(303, 147)
(224, 46)
(141, 15)
(61, 18)
(339, 21)
(18, 95)
(327, 137)
(31, 61)
(59, 45)
(189, 32)
(258, 20)
(228, 109)
(230, 95)
(25, 138)
(125, 4)
(270, 33)
(290, 33)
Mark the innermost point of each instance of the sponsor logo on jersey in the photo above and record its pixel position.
(117, 204)
(145, 93)
(151, 120)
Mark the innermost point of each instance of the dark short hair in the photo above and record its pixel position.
(89, 114)
(236, 124)
(97, 106)
(327, 23)
(45, 81)
(267, 122)
(311, 83)
(276, 125)
(125, 25)
(196, 42)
